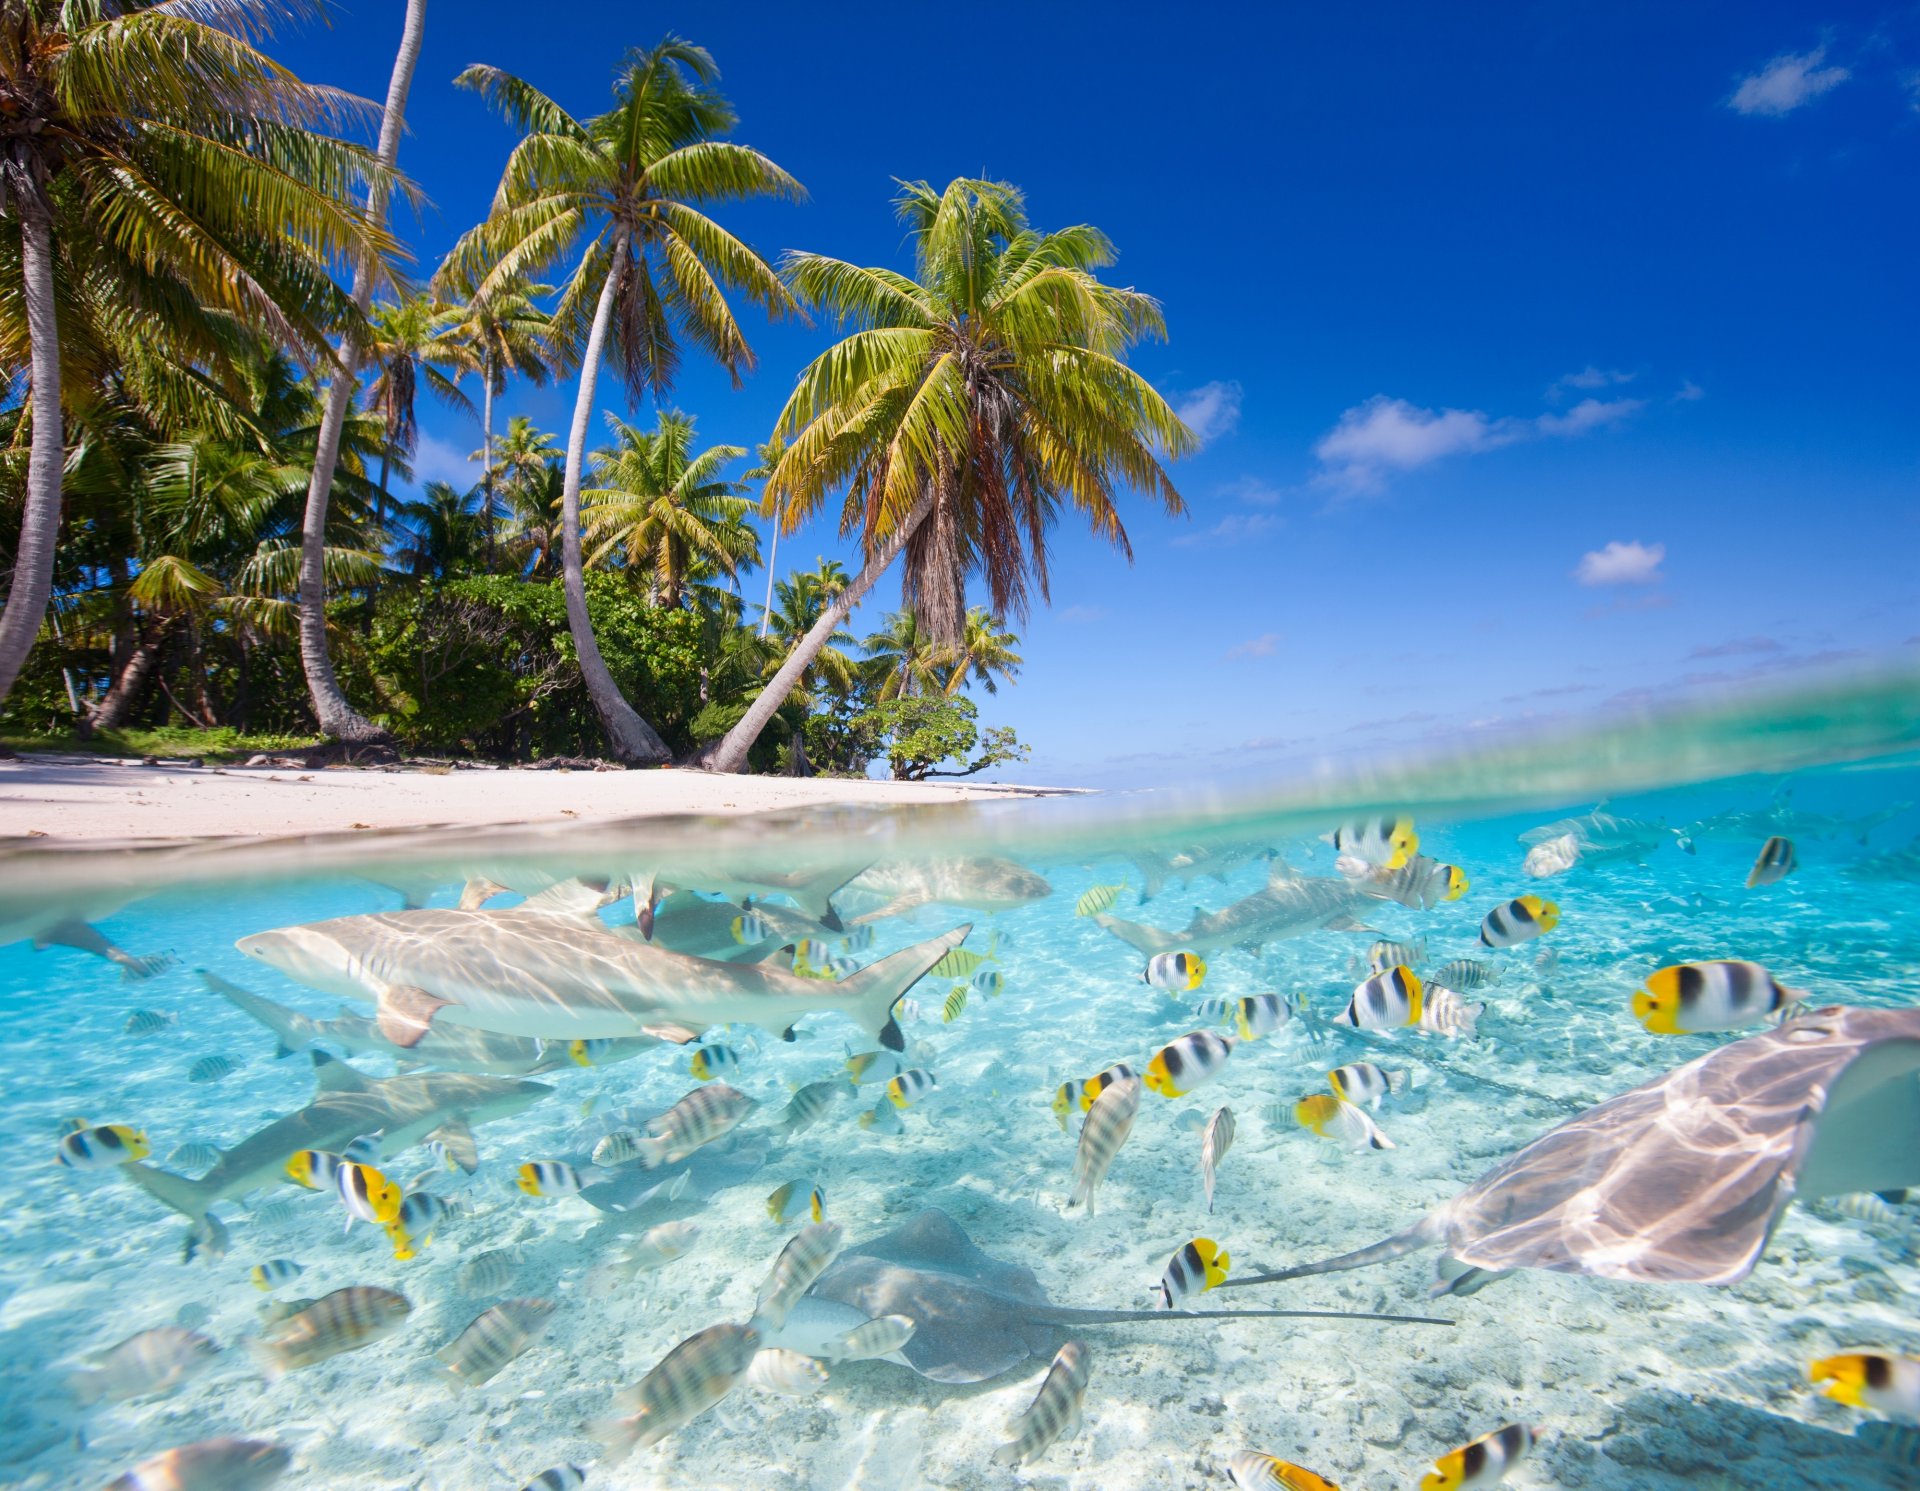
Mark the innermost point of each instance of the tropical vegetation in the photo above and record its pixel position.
(215, 364)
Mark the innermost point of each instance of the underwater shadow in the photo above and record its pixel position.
(1669, 1440)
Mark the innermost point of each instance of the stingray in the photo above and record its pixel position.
(974, 1316)
(1682, 1180)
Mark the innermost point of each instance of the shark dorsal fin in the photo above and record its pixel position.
(330, 1074)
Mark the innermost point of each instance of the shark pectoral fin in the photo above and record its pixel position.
(406, 1013)
(678, 1035)
(478, 891)
(330, 1074)
(458, 1139)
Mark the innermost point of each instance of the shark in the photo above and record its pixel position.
(1780, 818)
(347, 1105)
(1291, 905)
(1158, 866)
(452, 1048)
(689, 923)
(976, 884)
(554, 978)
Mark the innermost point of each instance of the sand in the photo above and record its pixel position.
(74, 797)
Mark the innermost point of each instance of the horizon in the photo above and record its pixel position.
(1624, 324)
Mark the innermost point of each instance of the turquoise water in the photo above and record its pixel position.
(1629, 1384)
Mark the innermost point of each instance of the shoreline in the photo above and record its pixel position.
(75, 799)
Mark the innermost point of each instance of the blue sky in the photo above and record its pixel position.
(1548, 362)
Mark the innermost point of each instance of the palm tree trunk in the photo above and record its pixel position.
(338, 719)
(731, 753)
(130, 682)
(486, 455)
(631, 737)
(40, 528)
(773, 554)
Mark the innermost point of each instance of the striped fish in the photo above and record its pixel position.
(212, 1069)
(1446, 1013)
(194, 1157)
(990, 982)
(803, 1110)
(699, 1118)
(143, 1366)
(1215, 1141)
(345, 1320)
(689, 1380)
(1214, 1008)
(1383, 955)
(487, 1273)
(1468, 974)
(785, 1374)
(210, 1465)
(275, 1272)
(1055, 1410)
(959, 963)
(1066, 1099)
(102, 1147)
(492, 1340)
(805, 1257)
(148, 1022)
(1108, 1123)
(1777, 861)
(559, 1478)
(1098, 899)
(955, 1006)
(1252, 1471)
(881, 1336)
(1196, 1058)
(1389, 1000)
(548, 1178)
(1485, 1462)
(1261, 1014)
(1692, 998)
(1362, 1082)
(1520, 920)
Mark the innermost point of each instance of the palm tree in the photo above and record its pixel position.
(661, 509)
(970, 402)
(904, 662)
(412, 340)
(800, 601)
(338, 719)
(160, 170)
(622, 190)
(525, 478)
(503, 334)
(766, 455)
(443, 531)
(985, 649)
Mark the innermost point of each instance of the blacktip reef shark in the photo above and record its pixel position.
(555, 978)
(1158, 866)
(1292, 905)
(974, 884)
(687, 923)
(1781, 818)
(347, 1104)
(1683, 1179)
(452, 1048)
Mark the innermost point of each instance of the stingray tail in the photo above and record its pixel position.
(1130, 1317)
(1385, 1251)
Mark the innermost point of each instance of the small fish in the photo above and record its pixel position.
(1445, 1013)
(1196, 1268)
(212, 1069)
(959, 963)
(367, 1195)
(883, 1118)
(421, 1215)
(989, 983)
(1888, 1385)
(210, 1465)
(275, 1273)
(808, 954)
(1098, 899)
(1520, 920)
(316, 1169)
(1872, 1206)
(1055, 1410)
(621, 1147)
(1099, 1082)
(1214, 1008)
(795, 1198)
(881, 1336)
(839, 967)
(559, 1478)
(148, 1022)
(699, 1118)
(750, 927)
(275, 1212)
(908, 1010)
(1195, 1059)
(1365, 1084)
(659, 1246)
(1376, 843)
(710, 1062)
(1176, 973)
(487, 1273)
(1468, 974)
(689, 1380)
(874, 1066)
(589, 1052)
(1252, 1471)
(1331, 1118)
(443, 1154)
(806, 1256)
(1384, 955)
(362, 1151)
(550, 1177)
(1261, 1014)
(345, 1320)
(1777, 861)
(1066, 1099)
(859, 939)
(910, 1087)
(194, 1157)
(493, 1339)
(1109, 1121)
(956, 1004)
(1695, 998)
(1386, 1001)
(102, 1147)
(785, 1374)
(1485, 1462)
(806, 1106)
(1215, 1141)
(143, 1366)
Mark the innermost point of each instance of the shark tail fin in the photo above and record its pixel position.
(1138, 935)
(815, 897)
(293, 1030)
(188, 1197)
(877, 988)
(461, 1148)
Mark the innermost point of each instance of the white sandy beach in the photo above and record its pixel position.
(75, 797)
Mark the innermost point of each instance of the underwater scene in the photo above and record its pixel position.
(1547, 1121)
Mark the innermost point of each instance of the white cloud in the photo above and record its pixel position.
(1083, 615)
(1689, 391)
(1233, 528)
(439, 460)
(1589, 377)
(1790, 80)
(1260, 646)
(1589, 414)
(1387, 435)
(1255, 492)
(1211, 410)
(1620, 563)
